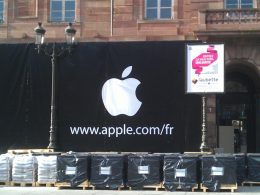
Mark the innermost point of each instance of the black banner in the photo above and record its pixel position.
(122, 96)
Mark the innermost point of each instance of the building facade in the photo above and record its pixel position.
(232, 117)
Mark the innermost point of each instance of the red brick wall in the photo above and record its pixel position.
(93, 21)
(26, 8)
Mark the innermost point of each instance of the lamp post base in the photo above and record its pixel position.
(52, 146)
(204, 148)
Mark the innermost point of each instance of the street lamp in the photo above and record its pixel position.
(39, 36)
(53, 53)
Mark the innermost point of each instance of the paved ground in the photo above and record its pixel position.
(55, 191)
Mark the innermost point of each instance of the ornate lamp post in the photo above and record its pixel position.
(53, 53)
(204, 144)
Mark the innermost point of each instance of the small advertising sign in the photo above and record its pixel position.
(143, 170)
(105, 170)
(70, 170)
(180, 173)
(205, 68)
(217, 171)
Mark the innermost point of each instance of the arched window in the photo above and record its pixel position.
(235, 87)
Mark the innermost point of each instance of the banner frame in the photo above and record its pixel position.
(186, 66)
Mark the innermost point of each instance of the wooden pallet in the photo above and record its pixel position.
(45, 184)
(193, 189)
(198, 153)
(229, 187)
(5, 183)
(250, 183)
(22, 184)
(64, 185)
(107, 188)
(29, 151)
(155, 187)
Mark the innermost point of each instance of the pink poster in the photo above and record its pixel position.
(205, 68)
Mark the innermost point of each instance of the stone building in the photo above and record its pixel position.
(232, 117)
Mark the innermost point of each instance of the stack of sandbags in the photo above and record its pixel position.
(218, 170)
(144, 170)
(107, 171)
(253, 166)
(180, 171)
(5, 167)
(24, 168)
(72, 168)
(47, 169)
(241, 167)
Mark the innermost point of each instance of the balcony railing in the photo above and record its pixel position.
(227, 16)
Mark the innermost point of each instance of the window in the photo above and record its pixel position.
(62, 11)
(26, 8)
(236, 4)
(158, 9)
(1, 11)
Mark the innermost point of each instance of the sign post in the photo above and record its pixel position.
(204, 74)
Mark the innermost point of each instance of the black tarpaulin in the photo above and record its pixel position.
(253, 166)
(180, 171)
(73, 168)
(143, 170)
(24, 108)
(107, 170)
(165, 120)
(217, 170)
(241, 167)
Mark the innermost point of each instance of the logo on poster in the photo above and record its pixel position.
(119, 96)
(205, 60)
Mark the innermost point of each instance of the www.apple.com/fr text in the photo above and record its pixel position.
(165, 129)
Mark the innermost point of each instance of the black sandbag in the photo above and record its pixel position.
(73, 168)
(217, 170)
(253, 163)
(144, 169)
(180, 171)
(241, 167)
(107, 171)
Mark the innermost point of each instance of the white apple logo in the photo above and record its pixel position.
(119, 96)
